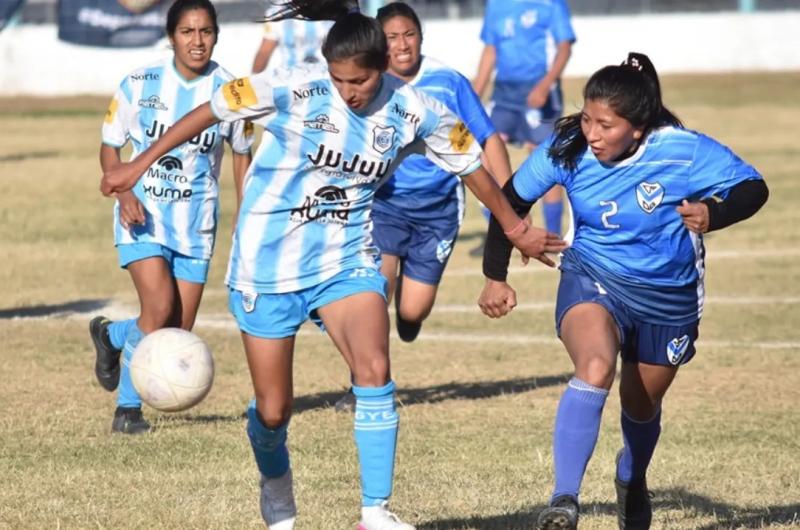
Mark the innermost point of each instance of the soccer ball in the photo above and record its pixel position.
(172, 369)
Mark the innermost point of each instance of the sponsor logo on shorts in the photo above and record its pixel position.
(443, 249)
(321, 123)
(249, 302)
(676, 349)
(649, 196)
(153, 102)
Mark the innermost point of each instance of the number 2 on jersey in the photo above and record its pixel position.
(612, 210)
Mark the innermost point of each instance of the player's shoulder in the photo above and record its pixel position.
(434, 71)
(152, 71)
(300, 75)
(217, 70)
(674, 141)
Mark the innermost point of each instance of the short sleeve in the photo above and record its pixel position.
(487, 33)
(470, 109)
(537, 174)
(448, 142)
(272, 31)
(245, 97)
(242, 136)
(118, 117)
(716, 169)
(562, 23)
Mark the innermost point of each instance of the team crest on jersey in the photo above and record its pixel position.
(649, 195)
(382, 138)
(528, 19)
(443, 249)
(153, 102)
(321, 123)
(676, 349)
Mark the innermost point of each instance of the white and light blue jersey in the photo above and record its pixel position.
(419, 189)
(306, 211)
(180, 191)
(299, 41)
(525, 34)
(628, 235)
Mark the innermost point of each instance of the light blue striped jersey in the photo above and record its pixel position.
(179, 192)
(305, 215)
(525, 34)
(299, 41)
(418, 188)
(628, 234)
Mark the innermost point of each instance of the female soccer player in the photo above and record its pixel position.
(417, 212)
(164, 227)
(303, 245)
(643, 190)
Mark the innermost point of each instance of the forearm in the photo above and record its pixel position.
(486, 189)
(263, 55)
(497, 160)
(485, 68)
(109, 157)
(498, 247)
(743, 200)
(563, 53)
(241, 162)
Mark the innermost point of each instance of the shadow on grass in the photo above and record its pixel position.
(78, 306)
(439, 393)
(724, 515)
(18, 157)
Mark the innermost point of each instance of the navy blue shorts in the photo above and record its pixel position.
(515, 121)
(424, 247)
(640, 341)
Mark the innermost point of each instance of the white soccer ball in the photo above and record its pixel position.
(172, 369)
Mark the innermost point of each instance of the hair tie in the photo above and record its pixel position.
(353, 10)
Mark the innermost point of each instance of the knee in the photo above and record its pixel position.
(372, 371)
(415, 313)
(157, 314)
(639, 408)
(273, 415)
(598, 371)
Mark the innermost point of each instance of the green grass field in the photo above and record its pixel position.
(477, 397)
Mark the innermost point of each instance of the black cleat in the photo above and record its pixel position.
(634, 509)
(129, 421)
(407, 330)
(562, 514)
(346, 403)
(106, 364)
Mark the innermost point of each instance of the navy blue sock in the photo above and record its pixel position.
(127, 395)
(269, 445)
(575, 435)
(552, 212)
(375, 431)
(640, 439)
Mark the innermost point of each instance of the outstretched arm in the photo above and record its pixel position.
(125, 176)
(496, 160)
(263, 55)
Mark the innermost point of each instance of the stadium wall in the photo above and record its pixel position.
(34, 62)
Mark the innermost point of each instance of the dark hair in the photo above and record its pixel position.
(398, 9)
(633, 92)
(353, 35)
(179, 7)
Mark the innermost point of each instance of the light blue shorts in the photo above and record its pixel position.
(279, 315)
(182, 267)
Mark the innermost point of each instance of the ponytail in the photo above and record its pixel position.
(633, 92)
(353, 36)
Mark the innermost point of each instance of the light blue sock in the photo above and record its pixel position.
(552, 216)
(127, 395)
(576, 431)
(640, 438)
(269, 445)
(118, 332)
(376, 439)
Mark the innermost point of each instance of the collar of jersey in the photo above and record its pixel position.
(376, 103)
(626, 161)
(188, 82)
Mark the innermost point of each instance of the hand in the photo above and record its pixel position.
(534, 242)
(497, 299)
(694, 215)
(131, 211)
(537, 97)
(120, 178)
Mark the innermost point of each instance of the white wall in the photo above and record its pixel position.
(34, 62)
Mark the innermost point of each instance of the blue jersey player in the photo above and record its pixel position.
(644, 190)
(164, 228)
(527, 43)
(303, 243)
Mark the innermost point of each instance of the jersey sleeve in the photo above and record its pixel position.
(242, 136)
(246, 97)
(716, 169)
(116, 124)
(470, 109)
(273, 31)
(537, 174)
(562, 24)
(487, 34)
(448, 142)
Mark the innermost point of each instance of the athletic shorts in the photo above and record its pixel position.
(279, 315)
(182, 267)
(640, 341)
(424, 246)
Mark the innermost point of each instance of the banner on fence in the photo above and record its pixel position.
(111, 23)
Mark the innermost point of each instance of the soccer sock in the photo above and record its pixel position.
(127, 396)
(269, 445)
(552, 216)
(576, 431)
(118, 332)
(640, 439)
(375, 431)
